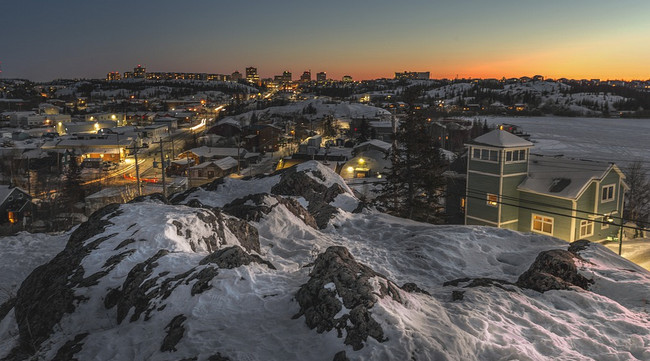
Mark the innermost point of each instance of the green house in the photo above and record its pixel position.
(508, 187)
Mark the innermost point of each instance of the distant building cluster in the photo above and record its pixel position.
(412, 75)
(250, 75)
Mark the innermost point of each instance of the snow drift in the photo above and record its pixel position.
(292, 267)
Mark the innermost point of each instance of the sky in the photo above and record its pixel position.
(42, 40)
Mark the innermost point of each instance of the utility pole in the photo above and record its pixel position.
(137, 167)
(620, 237)
(162, 167)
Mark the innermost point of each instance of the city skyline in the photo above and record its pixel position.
(77, 39)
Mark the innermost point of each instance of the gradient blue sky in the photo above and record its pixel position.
(45, 40)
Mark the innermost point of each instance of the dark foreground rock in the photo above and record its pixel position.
(556, 270)
(337, 277)
(253, 207)
(300, 184)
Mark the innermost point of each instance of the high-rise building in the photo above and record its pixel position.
(286, 76)
(235, 76)
(252, 76)
(139, 71)
(306, 76)
(114, 75)
(321, 77)
(347, 78)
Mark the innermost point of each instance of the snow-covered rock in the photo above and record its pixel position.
(238, 270)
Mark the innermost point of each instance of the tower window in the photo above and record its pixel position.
(492, 200)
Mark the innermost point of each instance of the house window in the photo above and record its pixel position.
(516, 155)
(607, 220)
(608, 193)
(542, 224)
(586, 228)
(485, 154)
(492, 199)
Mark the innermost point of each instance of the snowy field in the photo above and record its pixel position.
(615, 140)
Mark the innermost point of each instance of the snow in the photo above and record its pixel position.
(21, 253)
(247, 314)
(502, 139)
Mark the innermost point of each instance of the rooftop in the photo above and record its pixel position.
(502, 139)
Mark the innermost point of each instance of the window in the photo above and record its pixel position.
(492, 199)
(607, 220)
(586, 228)
(608, 193)
(516, 155)
(542, 224)
(485, 154)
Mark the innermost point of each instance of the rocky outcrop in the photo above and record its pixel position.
(556, 270)
(339, 295)
(233, 257)
(48, 292)
(255, 206)
(300, 184)
(175, 331)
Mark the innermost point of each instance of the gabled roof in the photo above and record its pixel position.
(216, 152)
(376, 143)
(5, 191)
(562, 177)
(501, 139)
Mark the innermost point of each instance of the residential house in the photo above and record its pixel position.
(15, 205)
(210, 170)
(507, 187)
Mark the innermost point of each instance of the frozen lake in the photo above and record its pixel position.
(615, 140)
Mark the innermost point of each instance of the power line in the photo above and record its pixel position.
(545, 211)
(481, 192)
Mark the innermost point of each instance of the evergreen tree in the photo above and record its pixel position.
(72, 191)
(415, 182)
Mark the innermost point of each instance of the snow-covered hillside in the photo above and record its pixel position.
(292, 267)
(315, 109)
(542, 94)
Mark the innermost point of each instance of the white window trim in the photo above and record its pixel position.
(532, 224)
(516, 161)
(602, 191)
(488, 202)
(586, 224)
(485, 160)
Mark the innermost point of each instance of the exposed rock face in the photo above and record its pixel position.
(67, 351)
(175, 331)
(300, 184)
(47, 293)
(338, 281)
(255, 206)
(233, 257)
(554, 270)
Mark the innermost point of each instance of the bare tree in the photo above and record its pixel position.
(637, 199)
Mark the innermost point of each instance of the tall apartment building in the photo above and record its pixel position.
(321, 77)
(113, 75)
(252, 76)
(306, 76)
